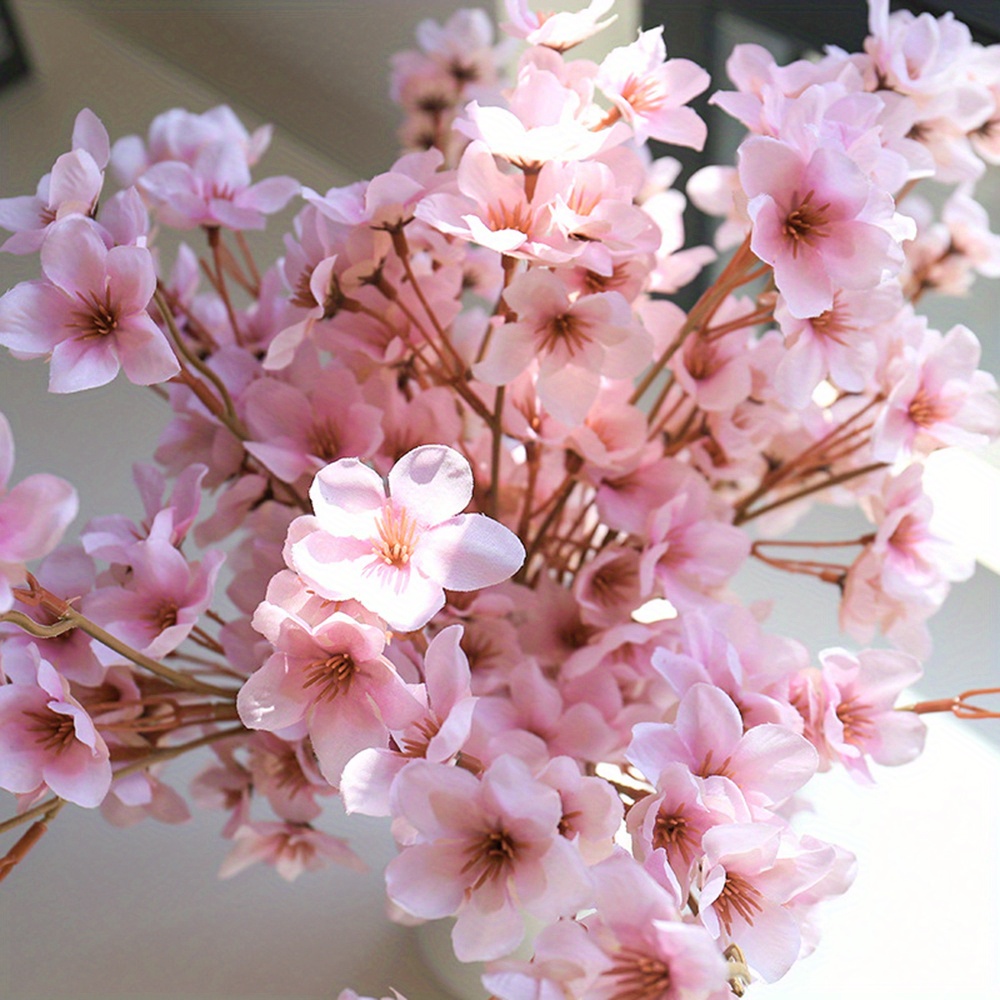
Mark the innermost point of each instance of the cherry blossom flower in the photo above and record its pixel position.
(89, 317)
(855, 715)
(650, 91)
(33, 516)
(485, 849)
(767, 762)
(559, 30)
(818, 220)
(576, 341)
(291, 848)
(633, 946)
(163, 597)
(397, 550)
(46, 735)
(71, 188)
(328, 679)
(938, 397)
(437, 734)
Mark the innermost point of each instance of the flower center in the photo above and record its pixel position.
(805, 222)
(397, 536)
(640, 976)
(165, 615)
(98, 317)
(501, 216)
(331, 676)
(490, 857)
(925, 411)
(738, 898)
(645, 95)
(323, 441)
(54, 730)
(854, 716)
(424, 731)
(303, 296)
(565, 329)
(673, 831)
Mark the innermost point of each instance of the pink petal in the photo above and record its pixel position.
(469, 552)
(432, 482)
(74, 257)
(90, 134)
(146, 355)
(425, 880)
(82, 364)
(481, 936)
(33, 517)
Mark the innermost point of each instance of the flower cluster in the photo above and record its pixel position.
(484, 489)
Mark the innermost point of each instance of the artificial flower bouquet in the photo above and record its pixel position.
(482, 487)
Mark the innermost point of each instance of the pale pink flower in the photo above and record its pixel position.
(89, 317)
(744, 888)
(650, 91)
(330, 680)
(490, 208)
(576, 341)
(856, 716)
(546, 121)
(485, 849)
(839, 343)
(560, 30)
(285, 772)
(72, 188)
(768, 762)
(181, 135)
(437, 734)
(163, 597)
(818, 220)
(691, 550)
(634, 947)
(291, 848)
(33, 516)
(397, 550)
(938, 397)
(299, 428)
(46, 736)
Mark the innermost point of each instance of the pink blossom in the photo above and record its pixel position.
(485, 849)
(633, 946)
(89, 317)
(327, 679)
(546, 121)
(651, 91)
(838, 344)
(162, 599)
(560, 30)
(576, 341)
(855, 717)
(297, 429)
(490, 208)
(397, 551)
(745, 886)
(72, 188)
(292, 848)
(33, 516)
(818, 220)
(767, 762)
(938, 397)
(180, 135)
(46, 735)
(437, 734)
